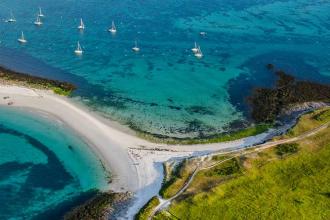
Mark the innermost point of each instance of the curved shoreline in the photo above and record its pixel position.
(135, 164)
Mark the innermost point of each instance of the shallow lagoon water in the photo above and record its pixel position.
(45, 169)
(164, 89)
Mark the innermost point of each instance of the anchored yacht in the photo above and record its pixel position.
(12, 18)
(40, 14)
(113, 28)
(22, 39)
(78, 50)
(199, 53)
(195, 49)
(38, 21)
(82, 25)
(136, 48)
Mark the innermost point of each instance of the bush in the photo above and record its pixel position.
(286, 149)
(228, 168)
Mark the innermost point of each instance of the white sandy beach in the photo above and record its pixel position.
(134, 163)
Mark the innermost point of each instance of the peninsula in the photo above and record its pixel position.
(135, 164)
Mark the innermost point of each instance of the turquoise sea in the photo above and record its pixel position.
(164, 89)
(45, 169)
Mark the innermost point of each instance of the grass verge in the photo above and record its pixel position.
(146, 210)
(309, 121)
(177, 178)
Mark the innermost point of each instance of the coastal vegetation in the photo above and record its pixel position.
(26, 80)
(146, 210)
(99, 207)
(175, 177)
(309, 121)
(283, 150)
(267, 103)
(288, 181)
(217, 138)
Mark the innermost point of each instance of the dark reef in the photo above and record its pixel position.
(260, 74)
(101, 206)
(56, 85)
(267, 103)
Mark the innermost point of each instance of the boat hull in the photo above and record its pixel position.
(22, 41)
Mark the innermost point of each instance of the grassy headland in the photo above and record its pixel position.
(289, 181)
(26, 80)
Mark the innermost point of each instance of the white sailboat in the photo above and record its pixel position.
(136, 48)
(113, 28)
(40, 14)
(38, 21)
(82, 25)
(195, 49)
(22, 39)
(199, 53)
(78, 50)
(12, 18)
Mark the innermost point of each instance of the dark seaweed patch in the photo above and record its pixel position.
(196, 126)
(51, 175)
(259, 75)
(11, 168)
(199, 110)
(170, 100)
(174, 107)
(267, 103)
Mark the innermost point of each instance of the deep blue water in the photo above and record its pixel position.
(45, 169)
(164, 89)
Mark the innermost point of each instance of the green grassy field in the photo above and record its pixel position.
(309, 121)
(289, 181)
(177, 177)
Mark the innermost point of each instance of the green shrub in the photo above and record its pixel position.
(229, 167)
(286, 149)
